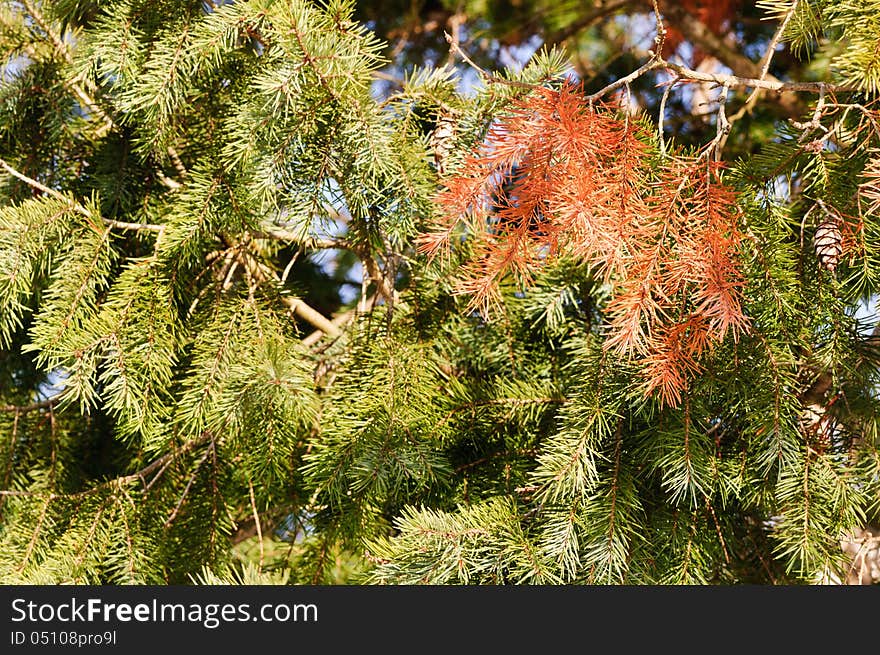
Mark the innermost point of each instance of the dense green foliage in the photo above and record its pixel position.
(223, 357)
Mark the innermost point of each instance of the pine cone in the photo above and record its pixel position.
(827, 242)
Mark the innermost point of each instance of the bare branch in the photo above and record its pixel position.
(43, 404)
(697, 33)
(652, 64)
(257, 523)
(160, 464)
(339, 321)
(39, 186)
(661, 115)
(734, 81)
(765, 63)
(777, 37)
(186, 489)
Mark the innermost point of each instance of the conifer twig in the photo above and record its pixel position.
(339, 321)
(655, 61)
(43, 404)
(734, 81)
(661, 115)
(599, 10)
(160, 464)
(765, 63)
(61, 48)
(286, 235)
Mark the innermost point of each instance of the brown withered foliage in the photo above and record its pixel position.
(561, 176)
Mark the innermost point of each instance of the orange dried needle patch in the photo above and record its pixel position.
(559, 176)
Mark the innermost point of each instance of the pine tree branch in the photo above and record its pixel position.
(375, 273)
(765, 64)
(286, 235)
(143, 227)
(722, 79)
(777, 37)
(53, 36)
(39, 186)
(33, 542)
(654, 63)
(262, 273)
(76, 206)
(700, 35)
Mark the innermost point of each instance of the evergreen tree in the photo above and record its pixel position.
(312, 292)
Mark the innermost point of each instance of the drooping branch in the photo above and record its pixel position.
(560, 175)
